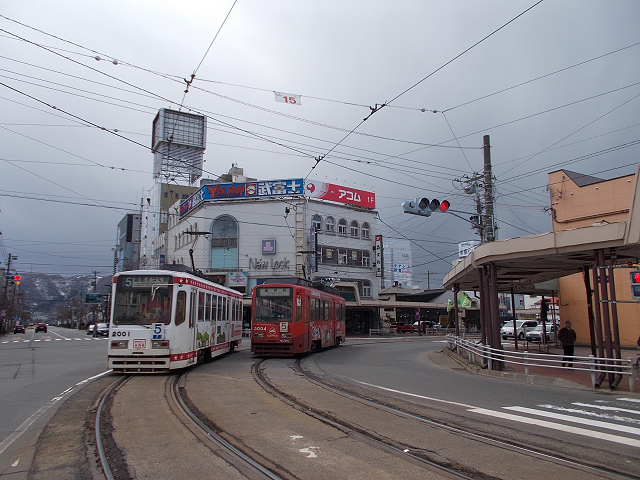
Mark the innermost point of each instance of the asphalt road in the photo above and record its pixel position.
(608, 421)
(37, 372)
(40, 372)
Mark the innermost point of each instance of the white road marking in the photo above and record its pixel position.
(416, 395)
(581, 421)
(533, 421)
(29, 421)
(558, 426)
(607, 408)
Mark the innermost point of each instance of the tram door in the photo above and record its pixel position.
(193, 331)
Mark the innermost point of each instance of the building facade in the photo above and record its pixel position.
(127, 252)
(242, 233)
(579, 200)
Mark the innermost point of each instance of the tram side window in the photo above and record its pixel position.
(181, 310)
(201, 306)
(224, 309)
(214, 308)
(207, 307)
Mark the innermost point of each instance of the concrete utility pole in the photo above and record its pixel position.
(488, 191)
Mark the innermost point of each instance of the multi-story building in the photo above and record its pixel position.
(127, 252)
(244, 232)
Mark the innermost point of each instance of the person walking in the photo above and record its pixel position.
(567, 337)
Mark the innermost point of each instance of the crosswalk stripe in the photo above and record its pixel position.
(558, 426)
(582, 421)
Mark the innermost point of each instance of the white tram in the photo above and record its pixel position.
(163, 320)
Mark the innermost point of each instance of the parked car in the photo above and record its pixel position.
(90, 329)
(522, 327)
(403, 327)
(18, 328)
(41, 327)
(101, 330)
(535, 335)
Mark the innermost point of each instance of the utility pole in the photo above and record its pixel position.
(6, 276)
(488, 190)
(428, 280)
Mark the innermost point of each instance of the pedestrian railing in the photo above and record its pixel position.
(486, 356)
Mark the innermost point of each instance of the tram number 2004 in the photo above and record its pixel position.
(118, 333)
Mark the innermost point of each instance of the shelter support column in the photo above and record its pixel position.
(456, 309)
(483, 317)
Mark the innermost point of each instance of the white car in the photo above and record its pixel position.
(522, 327)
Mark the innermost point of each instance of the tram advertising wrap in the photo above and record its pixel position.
(295, 318)
(163, 320)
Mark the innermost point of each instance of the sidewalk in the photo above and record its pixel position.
(559, 377)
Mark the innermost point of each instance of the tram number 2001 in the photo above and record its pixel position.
(118, 333)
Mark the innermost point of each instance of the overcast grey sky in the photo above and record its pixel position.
(557, 87)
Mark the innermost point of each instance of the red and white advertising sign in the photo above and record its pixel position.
(340, 194)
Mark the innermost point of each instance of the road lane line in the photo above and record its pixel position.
(29, 421)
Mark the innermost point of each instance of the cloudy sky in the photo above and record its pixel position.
(556, 84)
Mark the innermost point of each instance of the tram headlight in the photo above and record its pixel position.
(286, 335)
(160, 344)
(258, 334)
(119, 344)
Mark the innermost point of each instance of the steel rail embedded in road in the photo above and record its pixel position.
(350, 428)
(499, 443)
(98, 432)
(252, 469)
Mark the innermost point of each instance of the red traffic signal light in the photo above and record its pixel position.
(635, 284)
(17, 278)
(424, 206)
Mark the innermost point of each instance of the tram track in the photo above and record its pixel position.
(115, 468)
(361, 433)
(252, 421)
(411, 452)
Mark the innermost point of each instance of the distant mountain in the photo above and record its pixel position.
(45, 293)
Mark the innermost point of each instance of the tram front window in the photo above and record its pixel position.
(274, 304)
(143, 300)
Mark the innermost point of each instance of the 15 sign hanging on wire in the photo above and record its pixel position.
(289, 98)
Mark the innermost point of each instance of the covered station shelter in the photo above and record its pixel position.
(608, 248)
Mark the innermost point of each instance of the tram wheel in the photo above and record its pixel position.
(200, 357)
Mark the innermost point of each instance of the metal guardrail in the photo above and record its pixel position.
(479, 353)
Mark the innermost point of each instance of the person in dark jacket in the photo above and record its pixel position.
(567, 337)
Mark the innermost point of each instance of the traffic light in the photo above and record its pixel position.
(544, 309)
(16, 279)
(635, 284)
(424, 206)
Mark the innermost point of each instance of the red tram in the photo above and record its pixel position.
(294, 316)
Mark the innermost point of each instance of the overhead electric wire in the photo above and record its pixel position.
(465, 51)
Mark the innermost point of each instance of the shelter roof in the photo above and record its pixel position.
(524, 262)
